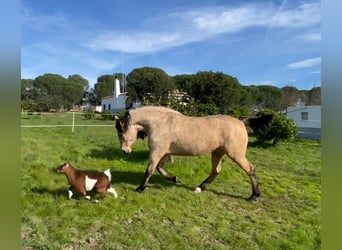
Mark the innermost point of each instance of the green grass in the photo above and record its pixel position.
(165, 215)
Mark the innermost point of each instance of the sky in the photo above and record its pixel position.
(260, 42)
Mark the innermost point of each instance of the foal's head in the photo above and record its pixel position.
(63, 168)
(128, 133)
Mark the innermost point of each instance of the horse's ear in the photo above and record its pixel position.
(139, 127)
(116, 118)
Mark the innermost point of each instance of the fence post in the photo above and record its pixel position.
(73, 122)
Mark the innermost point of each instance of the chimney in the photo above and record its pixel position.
(116, 87)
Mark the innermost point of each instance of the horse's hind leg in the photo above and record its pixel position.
(162, 171)
(216, 157)
(246, 166)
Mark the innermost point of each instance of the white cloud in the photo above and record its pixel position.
(310, 37)
(307, 63)
(303, 16)
(201, 24)
(222, 20)
(130, 42)
(45, 23)
(229, 20)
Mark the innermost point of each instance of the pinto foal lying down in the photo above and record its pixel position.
(83, 181)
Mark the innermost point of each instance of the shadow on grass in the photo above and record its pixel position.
(135, 178)
(58, 192)
(113, 153)
(62, 193)
(192, 189)
(159, 182)
(257, 144)
(234, 196)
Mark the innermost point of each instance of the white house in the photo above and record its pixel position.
(117, 102)
(307, 119)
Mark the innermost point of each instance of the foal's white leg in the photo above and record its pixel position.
(112, 191)
(70, 193)
(89, 198)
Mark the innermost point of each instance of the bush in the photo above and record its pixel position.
(107, 115)
(279, 129)
(68, 106)
(283, 129)
(89, 114)
(239, 112)
(204, 109)
(27, 104)
(192, 108)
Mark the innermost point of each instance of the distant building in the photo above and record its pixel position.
(96, 109)
(307, 119)
(117, 102)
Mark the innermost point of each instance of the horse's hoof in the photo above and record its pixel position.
(253, 198)
(198, 190)
(176, 179)
(140, 189)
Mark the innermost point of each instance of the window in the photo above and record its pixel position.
(305, 115)
(109, 107)
(104, 106)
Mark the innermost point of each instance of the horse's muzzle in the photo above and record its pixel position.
(126, 151)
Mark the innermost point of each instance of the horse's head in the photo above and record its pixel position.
(128, 133)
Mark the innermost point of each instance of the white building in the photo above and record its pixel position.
(117, 102)
(307, 119)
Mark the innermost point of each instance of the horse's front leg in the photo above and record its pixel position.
(162, 171)
(154, 160)
(216, 157)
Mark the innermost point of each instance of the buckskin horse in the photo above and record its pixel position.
(172, 133)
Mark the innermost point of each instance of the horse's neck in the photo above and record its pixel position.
(149, 118)
(144, 119)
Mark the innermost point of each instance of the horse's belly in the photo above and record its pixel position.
(185, 148)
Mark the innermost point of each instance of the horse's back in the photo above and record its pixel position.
(220, 125)
(200, 135)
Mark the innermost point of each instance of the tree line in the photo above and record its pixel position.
(52, 92)
(208, 91)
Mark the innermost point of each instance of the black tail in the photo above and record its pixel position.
(256, 123)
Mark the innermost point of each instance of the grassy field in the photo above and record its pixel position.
(165, 215)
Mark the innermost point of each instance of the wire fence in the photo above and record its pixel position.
(61, 120)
